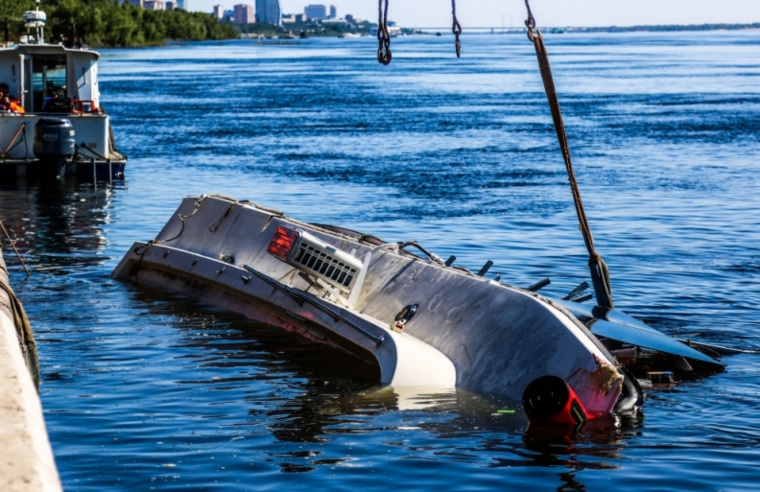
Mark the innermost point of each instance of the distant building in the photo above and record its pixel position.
(170, 5)
(153, 5)
(291, 18)
(181, 4)
(333, 12)
(268, 11)
(244, 14)
(315, 12)
(335, 22)
(136, 3)
(218, 12)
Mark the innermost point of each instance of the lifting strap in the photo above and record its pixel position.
(599, 273)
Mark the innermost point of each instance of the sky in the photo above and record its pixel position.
(512, 13)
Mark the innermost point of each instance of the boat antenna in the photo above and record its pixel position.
(600, 275)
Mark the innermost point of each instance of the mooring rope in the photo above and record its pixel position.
(599, 272)
(21, 131)
(21, 322)
(13, 245)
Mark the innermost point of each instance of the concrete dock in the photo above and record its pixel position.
(26, 458)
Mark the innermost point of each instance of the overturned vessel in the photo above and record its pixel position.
(52, 123)
(419, 320)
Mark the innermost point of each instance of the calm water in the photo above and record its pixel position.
(143, 390)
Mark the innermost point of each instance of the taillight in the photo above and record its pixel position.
(282, 242)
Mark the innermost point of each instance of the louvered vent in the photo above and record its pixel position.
(315, 257)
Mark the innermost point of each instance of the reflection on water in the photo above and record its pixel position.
(58, 224)
(336, 398)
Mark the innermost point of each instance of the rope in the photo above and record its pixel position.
(456, 28)
(95, 152)
(15, 140)
(182, 218)
(23, 327)
(599, 272)
(431, 256)
(5, 231)
(383, 35)
(215, 226)
(141, 250)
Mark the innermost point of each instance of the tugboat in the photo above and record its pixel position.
(51, 121)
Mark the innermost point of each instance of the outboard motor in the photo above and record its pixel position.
(549, 399)
(54, 142)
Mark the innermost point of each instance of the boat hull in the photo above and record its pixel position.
(466, 331)
(95, 156)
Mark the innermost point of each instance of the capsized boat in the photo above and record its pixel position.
(421, 321)
(53, 123)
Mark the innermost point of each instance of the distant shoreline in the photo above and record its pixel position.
(673, 27)
(609, 29)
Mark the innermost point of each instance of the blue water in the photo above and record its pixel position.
(143, 390)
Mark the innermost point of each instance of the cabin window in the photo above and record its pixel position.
(48, 80)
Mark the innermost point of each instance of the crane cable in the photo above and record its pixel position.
(456, 28)
(599, 273)
(383, 35)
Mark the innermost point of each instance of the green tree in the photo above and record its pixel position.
(13, 8)
(108, 23)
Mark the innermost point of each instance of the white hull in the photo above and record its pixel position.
(467, 331)
(96, 153)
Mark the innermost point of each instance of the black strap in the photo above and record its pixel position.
(599, 272)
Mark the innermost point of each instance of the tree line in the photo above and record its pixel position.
(106, 23)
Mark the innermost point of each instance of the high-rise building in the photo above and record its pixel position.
(333, 12)
(268, 11)
(244, 14)
(315, 12)
(218, 11)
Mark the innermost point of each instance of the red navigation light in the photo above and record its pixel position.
(282, 242)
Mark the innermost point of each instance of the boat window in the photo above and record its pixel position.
(48, 79)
